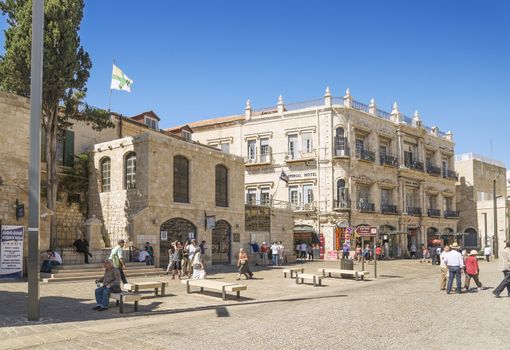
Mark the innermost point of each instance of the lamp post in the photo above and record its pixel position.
(485, 228)
(496, 255)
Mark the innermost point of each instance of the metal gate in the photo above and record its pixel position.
(221, 243)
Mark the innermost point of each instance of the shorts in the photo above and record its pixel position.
(176, 265)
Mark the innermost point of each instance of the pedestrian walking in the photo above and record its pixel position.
(298, 250)
(487, 251)
(264, 253)
(116, 256)
(444, 269)
(455, 263)
(192, 249)
(345, 251)
(413, 251)
(185, 262)
(242, 264)
(281, 249)
(175, 260)
(198, 266)
(303, 249)
(472, 270)
(310, 253)
(378, 252)
(504, 266)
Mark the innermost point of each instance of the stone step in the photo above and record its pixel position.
(100, 269)
(93, 273)
(91, 266)
(133, 273)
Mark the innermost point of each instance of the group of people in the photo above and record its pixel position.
(186, 259)
(304, 251)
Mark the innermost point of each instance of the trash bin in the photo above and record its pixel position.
(346, 264)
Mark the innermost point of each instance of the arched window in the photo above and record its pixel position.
(221, 186)
(105, 166)
(130, 171)
(340, 142)
(181, 179)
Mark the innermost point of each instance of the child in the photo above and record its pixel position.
(472, 270)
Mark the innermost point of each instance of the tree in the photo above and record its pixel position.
(75, 179)
(66, 67)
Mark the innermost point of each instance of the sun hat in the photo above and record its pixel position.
(454, 245)
(473, 252)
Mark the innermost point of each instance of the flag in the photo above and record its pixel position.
(120, 81)
(284, 177)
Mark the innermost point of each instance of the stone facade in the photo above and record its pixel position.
(475, 198)
(348, 164)
(147, 211)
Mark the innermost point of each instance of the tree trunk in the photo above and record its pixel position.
(51, 174)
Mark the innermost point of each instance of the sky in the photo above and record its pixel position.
(193, 60)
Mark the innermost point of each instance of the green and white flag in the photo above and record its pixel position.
(120, 81)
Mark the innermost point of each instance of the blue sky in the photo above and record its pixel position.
(199, 59)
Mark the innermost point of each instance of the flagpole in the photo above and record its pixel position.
(110, 98)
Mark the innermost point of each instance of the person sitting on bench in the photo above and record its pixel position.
(81, 245)
(111, 284)
(50, 259)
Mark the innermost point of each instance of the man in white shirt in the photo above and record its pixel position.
(487, 251)
(454, 261)
(444, 268)
(303, 250)
(275, 251)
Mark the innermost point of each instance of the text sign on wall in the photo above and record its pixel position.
(11, 251)
(366, 231)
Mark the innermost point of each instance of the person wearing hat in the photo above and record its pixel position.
(472, 270)
(504, 266)
(455, 263)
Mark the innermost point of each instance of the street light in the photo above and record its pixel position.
(485, 242)
(496, 255)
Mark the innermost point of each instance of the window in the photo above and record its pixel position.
(106, 165)
(307, 143)
(130, 171)
(447, 204)
(264, 150)
(444, 165)
(307, 194)
(360, 144)
(251, 196)
(363, 193)
(413, 198)
(225, 147)
(252, 149)
(383, 150)
(386, 197)
(429, 159)
(293, 195)
(432, 201)
(410, 155)
(340, 141)
(341, 194)
(186, 135)
(181, 179)
(264, 196)
(151, 123)
(293, 149)
(221, 186)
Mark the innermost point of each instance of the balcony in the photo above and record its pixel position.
(389, 209)
(415, 211)
(434, 213)
(259, 159)
(451, 214)
(365, 207)
(386, 159)
(434, 170)
(449, 174)
(342, 204)
(414, 165)
(363, 154)
(299, 157)
(303, 207)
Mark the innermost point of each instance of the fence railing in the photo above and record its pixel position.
(388, 209)
(365, 155)
(434, 213)
(451, 214)
(416, 211)
(386, 159)
(365, 207)
(434, 170)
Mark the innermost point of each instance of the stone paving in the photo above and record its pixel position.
(400, 309)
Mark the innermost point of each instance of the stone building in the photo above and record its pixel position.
(345, 164)
(157, 188)
(475, 199)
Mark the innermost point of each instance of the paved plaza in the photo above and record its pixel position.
(402, 308)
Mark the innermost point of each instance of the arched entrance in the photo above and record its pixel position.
(221, 242)
(448, 236)
(176, 229)
(390, 241)
(470, 238)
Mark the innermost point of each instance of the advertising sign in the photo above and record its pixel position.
(366, 231)
(321, 246)
(11, 251)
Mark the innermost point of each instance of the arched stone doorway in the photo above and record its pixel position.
(390, 241)
(470, 238)
(221, 247)
(174, 229)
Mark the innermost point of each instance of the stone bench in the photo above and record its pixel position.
(223, 287)
(123, 297)
(156, 285)
(356, 274)
(317, 279)
(292, 271)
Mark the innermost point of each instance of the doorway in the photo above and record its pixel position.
(176, 229)
(221, 243)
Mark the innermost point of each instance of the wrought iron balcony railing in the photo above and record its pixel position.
(416, 211)
(364, 154)
(341, 203)
(451, 214)
(389, 209)
(386, 159)
(434, 170)
(365, 207)
(434, 213)
(450, 174)
(415, 165)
